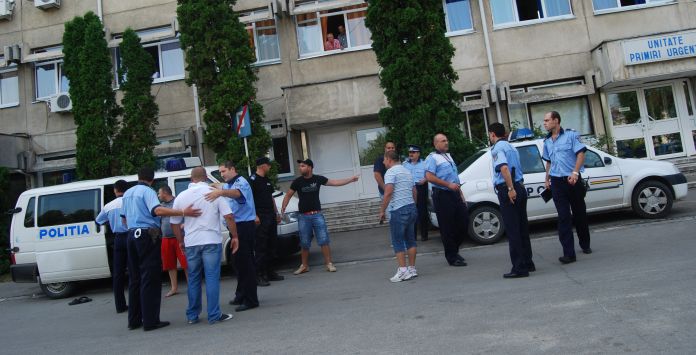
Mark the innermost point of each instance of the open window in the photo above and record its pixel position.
(331, 26)
(511, 12)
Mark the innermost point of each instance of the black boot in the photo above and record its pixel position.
(261, 281)
(273, 276)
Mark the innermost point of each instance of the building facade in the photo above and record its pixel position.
(613, 68)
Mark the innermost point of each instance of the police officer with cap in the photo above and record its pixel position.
(565, 157)
(241, 200)
(450, 207)
(267, 220)
(141, 210)
(508, 180)
(416, 166)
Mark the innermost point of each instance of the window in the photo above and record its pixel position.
(470, 160)
(29, 214)
(600, 5)
(530, 159)
(687, 98)
(168, 57)
(457, 15)
(9, 86)
(281, 155)
(58, 177)
(592, 160)
(181, 185)
(514, 11)
(109, 191)
(159, 183)
(475, 127)
(263, 38)
(50, 79)
(575, 113)
(332, 30)
(68, 208)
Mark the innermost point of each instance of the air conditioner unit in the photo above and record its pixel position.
(6, 8)
(46, 4)
(12, 53)
(60, 103)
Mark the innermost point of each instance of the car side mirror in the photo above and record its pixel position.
(14, 210)
(607, 160)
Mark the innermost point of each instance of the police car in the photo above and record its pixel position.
(55, 241)
(648, 187)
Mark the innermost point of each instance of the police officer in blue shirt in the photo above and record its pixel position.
(141, 210)
(416, 166)
(508, 180)
(238, 190)
(565, 157)
(111, 214)
(450, 207)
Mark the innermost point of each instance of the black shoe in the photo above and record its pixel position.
(531, 268)
(460, 258)
(244, 307)
(135, 326)
(225, 317)
(235, 302)
(566, 259)
(156, 326)
(515, 275)
(273, 276)
(193, 321)
(260, 281)
(458, 263)
(424, 239)
(122, 310)
(587, 251)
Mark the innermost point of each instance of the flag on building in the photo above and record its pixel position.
(242, 122)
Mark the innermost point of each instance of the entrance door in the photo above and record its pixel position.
(689, 123)
(331, 150)
(646, 121)
(370, 144)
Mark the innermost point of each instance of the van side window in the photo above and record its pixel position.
(159, 183)
(530, 159)
(29, 214)
(593, 160)
(180, 185)
(68, 207)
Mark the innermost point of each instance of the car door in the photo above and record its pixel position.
(534, 176)
(604, 179)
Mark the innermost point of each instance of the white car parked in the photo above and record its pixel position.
(648, 187)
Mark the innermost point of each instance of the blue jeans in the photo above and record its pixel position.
(204, 259)
(402, 227)
(312, 223)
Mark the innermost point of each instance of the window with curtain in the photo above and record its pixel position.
(333, 30)
(457, 15)
(516, 11)
(9, 87)
(263, 38)
(600, 5)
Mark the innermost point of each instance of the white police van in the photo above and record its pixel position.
(56, 242)
(648, 187)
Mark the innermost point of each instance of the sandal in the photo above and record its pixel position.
(79, 300)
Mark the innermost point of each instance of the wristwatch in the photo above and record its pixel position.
(575, 173)
(510, 189)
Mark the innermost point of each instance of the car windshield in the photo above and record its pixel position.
(470, 160)
(216, 174)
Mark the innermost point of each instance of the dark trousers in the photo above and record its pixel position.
(118, 274)
(265, 243)
(422, 207)
(246, 265)
(453, 218)
(516, 227)
(145, 285)
(569, 198)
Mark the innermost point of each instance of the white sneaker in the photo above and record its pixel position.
(412, 271)
(401, 276)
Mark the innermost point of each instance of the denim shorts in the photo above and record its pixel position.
(403, 232)
(312, 226)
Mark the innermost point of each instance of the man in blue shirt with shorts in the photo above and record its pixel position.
(565, 158)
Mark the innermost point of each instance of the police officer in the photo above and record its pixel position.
(416, 166)
(508, 180)
(565, 155)
(267, 219)
(141, 210)
(111, 214)
(238, 190)
(450, 207)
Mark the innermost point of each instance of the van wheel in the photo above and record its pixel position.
(486, 225)
(652, 199)
(58, 289)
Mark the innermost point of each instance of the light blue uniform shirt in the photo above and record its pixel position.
(563, 152)
(243, 207)
(416, 169)
(111, 213)
(139, 204)
(504, 153)
(443, 167)
(402, 182)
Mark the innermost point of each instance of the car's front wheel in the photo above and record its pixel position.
(652, 199)
(486, 225)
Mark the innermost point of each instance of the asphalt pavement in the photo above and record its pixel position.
(634, 294)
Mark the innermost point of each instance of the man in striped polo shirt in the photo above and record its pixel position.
(400, 201)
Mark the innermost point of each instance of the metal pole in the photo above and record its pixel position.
(246, 150)
(199, 129)
(489, 55)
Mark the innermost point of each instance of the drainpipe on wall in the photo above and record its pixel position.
(199, 129)
(489, 56)
(100, 11)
